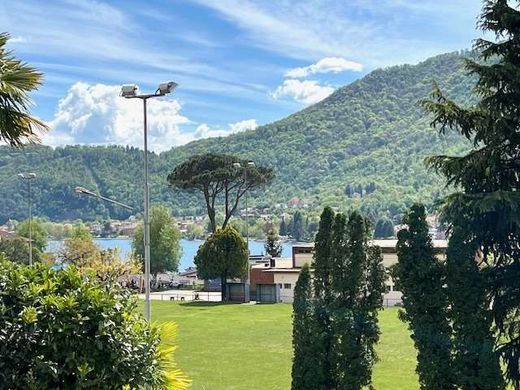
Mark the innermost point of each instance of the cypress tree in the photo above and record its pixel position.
(487, 205)
(283, 228)
(323, 298)
(358, 284)
(298, 226)
(304, 341)
(476, 363)
(322, 253)
(420, 277)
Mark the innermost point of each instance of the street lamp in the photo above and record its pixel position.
(29, 177)
(130, 91)
(249, 164)
(81, 190)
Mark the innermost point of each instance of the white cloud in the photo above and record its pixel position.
(379, 32)
(325, 65)
(306, 91)
(248, 124)
(95, 114)
(204, 131)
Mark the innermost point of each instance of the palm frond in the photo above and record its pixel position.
(173, 377)
(17, 79)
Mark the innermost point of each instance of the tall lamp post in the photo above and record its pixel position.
(29, 177)
(130, 91)
(249, 164)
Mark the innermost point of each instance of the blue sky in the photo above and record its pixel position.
(239, 63)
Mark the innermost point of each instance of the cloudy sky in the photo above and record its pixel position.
(238, 63)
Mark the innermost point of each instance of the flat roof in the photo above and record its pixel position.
(381, 243)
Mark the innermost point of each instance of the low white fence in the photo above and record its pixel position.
(184, 296)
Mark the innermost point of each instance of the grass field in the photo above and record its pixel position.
(248, 347)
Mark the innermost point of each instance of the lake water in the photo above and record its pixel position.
(189, 248)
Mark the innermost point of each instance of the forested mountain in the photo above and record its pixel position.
(368, 137)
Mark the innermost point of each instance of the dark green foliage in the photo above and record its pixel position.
(358, 285)
(476, 363)
(348, 288)
(223, 255)
(384, 228)
(283, 227)
(322, 263)
(297, 227)
(165, 249)
(220, 178)
(272, 244)
(61, 330)
(487, 205)
(420, 277)
(322, 257)
(370, 131)
(305, 359)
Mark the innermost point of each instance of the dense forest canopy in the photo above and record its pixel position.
(363, 146)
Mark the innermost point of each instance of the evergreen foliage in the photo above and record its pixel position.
(297, 226)
(323, 299)
(283, 227)
(487, 204)
(272, 244)
(420, 277)
(223, 255)
(220, 178)
(477, 365)
(348, 289)
(305, 360)
(165, 249)
(358, 285)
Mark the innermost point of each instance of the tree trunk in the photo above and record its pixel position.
(223, 287)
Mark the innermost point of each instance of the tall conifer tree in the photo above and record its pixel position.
(476, 364)
(323, 298)
(305, 364)
(420, 277)
(488, 204)
(357, 284)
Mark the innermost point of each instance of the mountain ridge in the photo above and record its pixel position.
(370, 131)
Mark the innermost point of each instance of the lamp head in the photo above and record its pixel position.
(236, 165)
(167, 87)
(250, 163)
(129, 90)
(80, 190)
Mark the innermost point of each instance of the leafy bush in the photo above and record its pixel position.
(62, 330)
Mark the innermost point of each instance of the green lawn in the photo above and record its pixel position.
(232, 347)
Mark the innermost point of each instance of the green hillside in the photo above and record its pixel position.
(371, 134)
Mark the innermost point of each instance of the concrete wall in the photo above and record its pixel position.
(284, 278)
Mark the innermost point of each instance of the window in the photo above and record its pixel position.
(280, 285)
(287, 286)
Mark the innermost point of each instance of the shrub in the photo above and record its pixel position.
(60, 329)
